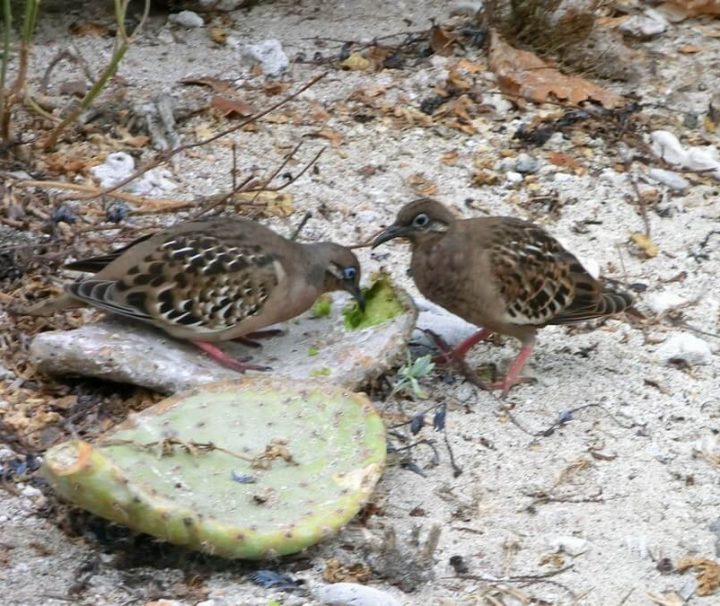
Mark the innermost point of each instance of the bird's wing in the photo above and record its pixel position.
(95, 264)
(542, 283)
(190, 280)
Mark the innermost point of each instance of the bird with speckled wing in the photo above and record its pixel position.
(211, 280)
(503, 274)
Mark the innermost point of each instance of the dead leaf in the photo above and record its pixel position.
(231, 107)
(690, 49)
(697, 7)
(377, 55)
(708, 573)
(484, 177)
(422, 185)
(335, 572)
(563, 160)
(216, 84)
(441, 41)
(450, 158)
(88, 28)
(275, 88)
(645, 244)
(356, 62)
(218, 35)
(523, 74)
(468, 66)
(331, 135)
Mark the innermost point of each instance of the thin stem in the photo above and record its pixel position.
(122, 44)
(7, 18)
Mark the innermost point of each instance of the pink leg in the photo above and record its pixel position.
(513, 374)
(460, 351)
(221, 357)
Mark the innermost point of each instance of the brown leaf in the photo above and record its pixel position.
(563, 160)
(87, 28)
(523, 74)
(645, 244)
(422, 185)
(690, 49)
(450, 158)
(708, 573)
(441, 41)
(697, 7)
(216, 84)
(377, 55)
(218, 35)
(356, 62)
(335, 572)
(231, 107)
(275, 88)
(331, 135)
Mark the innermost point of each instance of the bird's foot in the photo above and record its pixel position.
(456, 355)
(226, 360)
(249, 339)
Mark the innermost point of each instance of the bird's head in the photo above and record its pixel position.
(417, 220)
(341, 270)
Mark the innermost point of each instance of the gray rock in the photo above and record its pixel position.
(686, 348)
(270, 55)
(353, 594)
(125, 352)
(667, 177)
(187, 19)
(526, 164)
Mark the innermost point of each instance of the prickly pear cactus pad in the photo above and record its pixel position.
(252, 468)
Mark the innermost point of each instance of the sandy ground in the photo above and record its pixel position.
(616, 496)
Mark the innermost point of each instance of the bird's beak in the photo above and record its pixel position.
(390, 232)
(355, 291)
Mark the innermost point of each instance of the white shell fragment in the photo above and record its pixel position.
(685, 348)
(353, 594)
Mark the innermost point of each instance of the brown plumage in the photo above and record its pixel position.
(506, 275)
(211, 280)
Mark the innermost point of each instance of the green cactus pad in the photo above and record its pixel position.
(253, 468)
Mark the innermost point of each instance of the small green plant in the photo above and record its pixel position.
(409, 375)
(322, 306)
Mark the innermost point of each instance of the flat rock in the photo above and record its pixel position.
(125, 352)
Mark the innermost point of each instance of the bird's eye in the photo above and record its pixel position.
(421, 220)
(349, 273)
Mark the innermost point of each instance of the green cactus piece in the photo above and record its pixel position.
(254, 468)
(381, 304)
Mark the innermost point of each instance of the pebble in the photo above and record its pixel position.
(644, 26)
(526, 164)
(669, 178)
(270, 55)
(666, 145)
(685, 347)
(570, 545)
(30, 491)
(513, 177)
(187, 19)
(353, 594)
(660, 302)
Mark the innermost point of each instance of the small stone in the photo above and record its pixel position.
(353, 594)
(513, 177)
(644, 26)
(685, 348)
(187, 19)
(570, 545)
(669, 178)
(660, 302)
(526, 164)
(270, 55)
(30, 492)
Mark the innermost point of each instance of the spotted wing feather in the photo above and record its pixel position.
(542, 283)
(194, 281)
(95, 264)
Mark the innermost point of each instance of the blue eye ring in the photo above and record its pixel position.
(421, 220)
(349, 273)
